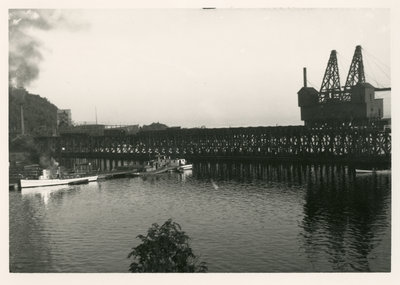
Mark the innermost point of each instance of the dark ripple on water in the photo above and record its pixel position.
(242, 217)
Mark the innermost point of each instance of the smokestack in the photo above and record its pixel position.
(22, 120)
(305, 77)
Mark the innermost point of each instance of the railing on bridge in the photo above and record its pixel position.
(290, 142)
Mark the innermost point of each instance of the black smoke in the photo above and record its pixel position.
(25, 49)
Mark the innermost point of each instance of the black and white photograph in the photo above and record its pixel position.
(199, 139)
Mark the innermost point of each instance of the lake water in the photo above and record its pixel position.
(241, 217)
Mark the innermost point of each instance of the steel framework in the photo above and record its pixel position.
(330, 87)
(291, 142)
(356, 73)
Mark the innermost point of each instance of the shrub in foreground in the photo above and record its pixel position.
(165, 249)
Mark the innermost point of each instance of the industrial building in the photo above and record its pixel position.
(64, 118)
(355, 103)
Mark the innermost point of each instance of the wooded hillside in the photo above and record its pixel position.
(40, 116)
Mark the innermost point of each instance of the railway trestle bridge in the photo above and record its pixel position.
(289, 142)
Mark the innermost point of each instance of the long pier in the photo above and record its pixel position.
(265, 143)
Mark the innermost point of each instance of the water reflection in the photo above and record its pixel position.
(290, 174)
(183, 176)
(27, 227)
(344, 216)
(44, 193)
(242, 217)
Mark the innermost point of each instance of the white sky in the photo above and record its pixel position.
(193, 67)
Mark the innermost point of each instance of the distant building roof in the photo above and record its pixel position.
(364, 84)
(309, 90)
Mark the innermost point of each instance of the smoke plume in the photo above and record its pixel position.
(25, 50)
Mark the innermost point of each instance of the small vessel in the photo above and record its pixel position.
(371, 171)
(163, 164)
(29, 183)
(185, 167)
(362, 171)
(47, 180)
(182, 165)
(151, 171)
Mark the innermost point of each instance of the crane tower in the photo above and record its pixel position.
(355, 103)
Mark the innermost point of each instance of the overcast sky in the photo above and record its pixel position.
(193, 67)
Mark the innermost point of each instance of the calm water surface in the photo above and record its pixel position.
(241, 217)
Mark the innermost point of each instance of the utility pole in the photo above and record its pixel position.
(22, 120)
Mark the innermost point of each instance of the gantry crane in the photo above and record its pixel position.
(355, 103)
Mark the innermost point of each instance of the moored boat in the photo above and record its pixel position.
(155, 171)
(371, 171)
(162, 164)
(362, 171)
(185, 167)
(30, 183)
